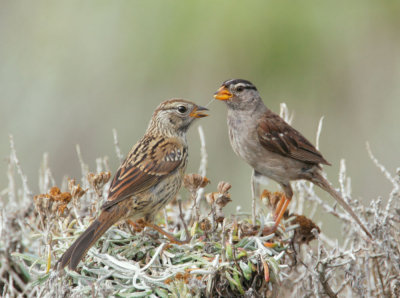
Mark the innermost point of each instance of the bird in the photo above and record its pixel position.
(147, 180)
(272, 147)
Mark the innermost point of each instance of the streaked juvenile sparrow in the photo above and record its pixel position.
(148, 179)
(271, 146)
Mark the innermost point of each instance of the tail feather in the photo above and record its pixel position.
(325, 185)
(79, 248)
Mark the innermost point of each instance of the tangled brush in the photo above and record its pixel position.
(228, 255)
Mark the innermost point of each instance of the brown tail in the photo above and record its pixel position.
(79, 248)
(325, 185)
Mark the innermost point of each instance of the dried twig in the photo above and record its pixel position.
(15, 160)
(120, 156)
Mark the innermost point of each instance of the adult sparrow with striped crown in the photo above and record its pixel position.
(148, 179)
(271, 146)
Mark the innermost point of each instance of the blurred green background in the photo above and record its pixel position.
(72, 71)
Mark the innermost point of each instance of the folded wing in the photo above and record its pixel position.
(277, 136)
(146, 165)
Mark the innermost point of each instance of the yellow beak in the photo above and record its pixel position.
(223, 94)
(196, 113)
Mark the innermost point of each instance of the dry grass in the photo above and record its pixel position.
(227, 255)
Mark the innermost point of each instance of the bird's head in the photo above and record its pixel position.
(238, 94)
(175, 116)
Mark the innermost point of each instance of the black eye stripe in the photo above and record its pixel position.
(246, 87)
(249, 87)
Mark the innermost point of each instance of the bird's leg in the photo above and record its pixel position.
(279, 206)
(255, 189)
(283, 203)
(166, 234)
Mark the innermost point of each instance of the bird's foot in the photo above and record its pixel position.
(269, 230)
(137, 226)
(170, 237)
(272, 229)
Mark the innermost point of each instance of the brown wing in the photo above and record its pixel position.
(149, 161)
(279, 137)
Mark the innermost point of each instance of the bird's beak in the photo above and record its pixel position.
(223, 94)
(196, 113)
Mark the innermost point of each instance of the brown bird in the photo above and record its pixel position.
(148, 179)
(271, 146)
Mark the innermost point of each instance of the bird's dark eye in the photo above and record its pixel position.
(182, 109)
(239, 88)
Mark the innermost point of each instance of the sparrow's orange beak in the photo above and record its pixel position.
(223, 94)
(196, 113)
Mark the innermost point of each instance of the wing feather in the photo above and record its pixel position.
(149, 161)
(277, 136)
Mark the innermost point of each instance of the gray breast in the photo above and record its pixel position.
(243, 136)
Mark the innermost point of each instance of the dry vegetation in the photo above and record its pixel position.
(227, 255)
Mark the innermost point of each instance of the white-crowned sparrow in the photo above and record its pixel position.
(271, 146)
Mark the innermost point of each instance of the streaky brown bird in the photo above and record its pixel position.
(148, 179)
(271, 146)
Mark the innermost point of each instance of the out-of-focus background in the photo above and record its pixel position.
(72, 71)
